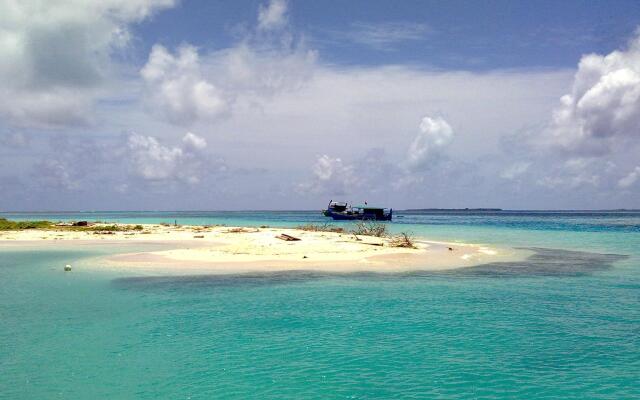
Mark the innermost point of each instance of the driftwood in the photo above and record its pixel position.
(198, 237)
(288, 238)
(402, 240)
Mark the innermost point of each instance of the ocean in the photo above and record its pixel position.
(565, 323)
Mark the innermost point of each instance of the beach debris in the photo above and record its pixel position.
(241, 230)
(404, 239)
(67, 268)
(320, 228)
(288, 238)
(450, 248)
(198, 237)
(81, 223)
(305, 257)
(368, 228)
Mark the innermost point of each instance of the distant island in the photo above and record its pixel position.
(454, 209)
(537, 211)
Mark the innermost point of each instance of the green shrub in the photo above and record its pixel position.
(7, 225)
(105, 228)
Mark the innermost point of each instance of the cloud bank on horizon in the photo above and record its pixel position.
(96, 115)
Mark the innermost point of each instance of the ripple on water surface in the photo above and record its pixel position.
(555, 325)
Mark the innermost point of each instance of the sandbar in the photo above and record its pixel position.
(223, 249)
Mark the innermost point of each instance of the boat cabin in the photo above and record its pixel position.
(369, 212)
(338, 206)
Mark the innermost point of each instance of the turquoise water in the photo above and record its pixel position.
(563, 324)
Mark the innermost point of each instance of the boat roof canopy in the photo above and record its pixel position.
(366, 207)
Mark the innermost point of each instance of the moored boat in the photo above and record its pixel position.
(360, 212)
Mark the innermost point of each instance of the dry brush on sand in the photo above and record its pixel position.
(366, 228)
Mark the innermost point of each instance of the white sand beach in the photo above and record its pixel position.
(222, 249)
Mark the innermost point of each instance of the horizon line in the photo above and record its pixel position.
(477, 209)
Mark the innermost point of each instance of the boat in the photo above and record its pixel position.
(342, 211)
(335, 206)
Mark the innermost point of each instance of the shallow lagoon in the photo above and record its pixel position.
(566, 323)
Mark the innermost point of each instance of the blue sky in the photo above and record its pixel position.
(452, 34)
(166, 104)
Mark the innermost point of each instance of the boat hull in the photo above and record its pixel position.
(356, 217)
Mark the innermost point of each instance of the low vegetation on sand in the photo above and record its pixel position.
(377, 229)
(403, 239)
(321, 228)
(107, 228)
(8, 225)
(365, 228)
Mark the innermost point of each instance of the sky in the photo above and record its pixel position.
(275, 104)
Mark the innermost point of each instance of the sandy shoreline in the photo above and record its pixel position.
(222, 249)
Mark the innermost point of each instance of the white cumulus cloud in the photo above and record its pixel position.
(194, 142)
(327, 168)
(273, 15)
(331, 176)
(55, 54)
(603, 108)
(152, 161)
(435, 134)
(193, 85)
(515, 170)
(631, 178)
(178, 88)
